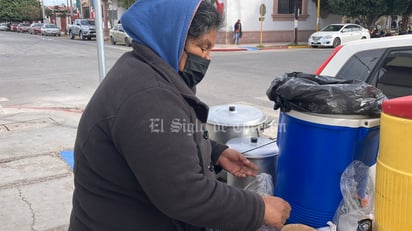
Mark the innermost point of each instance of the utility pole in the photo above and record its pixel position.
(100, 39)
(43, 14)
(262, 11)
(318, 17)
(296, 21)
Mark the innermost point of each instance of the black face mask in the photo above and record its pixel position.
(195, 69)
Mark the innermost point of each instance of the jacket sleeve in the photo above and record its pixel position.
(217, 149)
(168, 167)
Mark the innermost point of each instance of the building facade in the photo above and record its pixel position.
(277, 25)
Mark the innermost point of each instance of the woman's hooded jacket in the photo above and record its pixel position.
(143, 160)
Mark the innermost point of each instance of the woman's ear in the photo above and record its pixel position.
(182, 61)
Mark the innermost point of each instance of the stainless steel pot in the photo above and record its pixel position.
(229, 121)
(260, 150)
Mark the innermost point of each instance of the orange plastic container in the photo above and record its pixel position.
(393, 191)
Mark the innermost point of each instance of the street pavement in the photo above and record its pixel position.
(36, 177)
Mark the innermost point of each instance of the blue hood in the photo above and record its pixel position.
(161, 25)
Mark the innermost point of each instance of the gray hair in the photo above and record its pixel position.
(206, 18)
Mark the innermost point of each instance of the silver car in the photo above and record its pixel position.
(50, 29)
(4, 27)
(118, 35)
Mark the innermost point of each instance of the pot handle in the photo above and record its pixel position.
(267, 124)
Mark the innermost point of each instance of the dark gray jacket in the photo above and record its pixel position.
(143, 160)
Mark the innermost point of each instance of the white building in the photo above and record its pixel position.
(279, 20)
(278, 24)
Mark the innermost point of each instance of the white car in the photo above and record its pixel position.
(334, 35)
(50, 29)
(118, 35)
(385, 63)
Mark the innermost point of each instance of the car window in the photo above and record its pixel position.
(332, 28)
(395, 74)
(360, 65)
(354, 28)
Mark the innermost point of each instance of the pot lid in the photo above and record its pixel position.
(235, 115)
(254, 147)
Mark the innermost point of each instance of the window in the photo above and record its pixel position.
(288, 6)
(352, 28)
(395, 75)
(360, 65)
(283, 10)
(391, 73)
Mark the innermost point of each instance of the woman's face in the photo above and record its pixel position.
(201, 46)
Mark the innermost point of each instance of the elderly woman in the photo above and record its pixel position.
(137, 166)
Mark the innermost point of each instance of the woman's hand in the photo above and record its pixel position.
(236, 164)
(277, 211)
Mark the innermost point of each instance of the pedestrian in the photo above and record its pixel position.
(143, 160)
(237, 32)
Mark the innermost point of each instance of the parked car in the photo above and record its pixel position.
(23, 27)
(82, 27)
(334, 35)
(385, 63)
(35, 28)
(13, 26)
(118, 35)
(4, 27)
(50, 29)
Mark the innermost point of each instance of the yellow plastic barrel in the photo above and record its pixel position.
(393, 190)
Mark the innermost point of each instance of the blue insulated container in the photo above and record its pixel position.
(314, 150)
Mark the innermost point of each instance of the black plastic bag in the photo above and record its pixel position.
(325, 95)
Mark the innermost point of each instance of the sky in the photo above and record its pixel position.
(56, 2)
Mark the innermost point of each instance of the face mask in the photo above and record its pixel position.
(195, 69)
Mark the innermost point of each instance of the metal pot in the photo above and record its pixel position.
(260, 150)
(229, 121)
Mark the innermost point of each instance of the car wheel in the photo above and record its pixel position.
(71, 35)
(314, 46)
(112, 41)
(127, 42)
(336, 42)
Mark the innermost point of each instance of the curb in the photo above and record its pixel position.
(255, 48)
(230, 49)
(298, 46)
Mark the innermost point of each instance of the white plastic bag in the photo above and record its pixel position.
(356, 207)
(262, 184)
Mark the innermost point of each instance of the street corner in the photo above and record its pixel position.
(229, 48)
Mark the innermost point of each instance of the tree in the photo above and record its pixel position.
(324, 4)
(126, 3)
(20, 10)
(369, 11)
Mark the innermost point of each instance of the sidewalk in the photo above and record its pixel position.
(36, 185)
(256, 47)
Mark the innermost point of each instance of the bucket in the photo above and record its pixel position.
(261, 151)
(314, 151)
(228, 121)
(393, 191)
